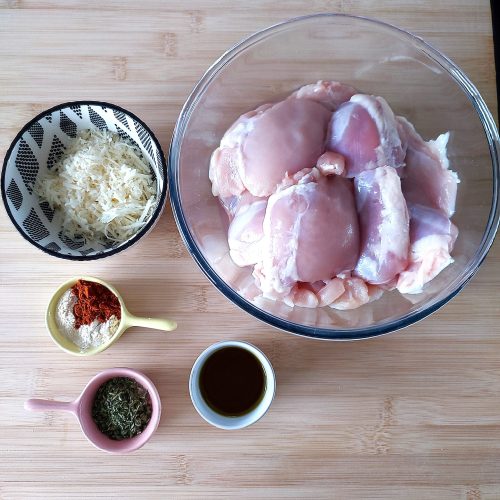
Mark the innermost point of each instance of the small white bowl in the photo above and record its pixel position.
(40, 144)
(227, 422)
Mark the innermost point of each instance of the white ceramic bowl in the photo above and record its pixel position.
(223, 421)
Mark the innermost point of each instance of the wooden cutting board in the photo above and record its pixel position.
(411, 415)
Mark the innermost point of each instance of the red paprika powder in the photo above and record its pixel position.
(95, 302)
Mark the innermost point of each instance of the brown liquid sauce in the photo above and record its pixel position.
(232, 381)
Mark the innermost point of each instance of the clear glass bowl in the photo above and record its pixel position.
(419, 83)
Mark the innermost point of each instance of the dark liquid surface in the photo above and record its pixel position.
(232, 381)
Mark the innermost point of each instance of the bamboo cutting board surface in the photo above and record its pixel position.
(410, 415)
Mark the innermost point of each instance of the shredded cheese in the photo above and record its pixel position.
(102, 186)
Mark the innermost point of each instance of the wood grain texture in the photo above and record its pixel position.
(410, 415)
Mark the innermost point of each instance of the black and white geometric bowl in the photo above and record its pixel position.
(36, 149)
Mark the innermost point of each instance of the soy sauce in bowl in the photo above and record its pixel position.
(232, 381)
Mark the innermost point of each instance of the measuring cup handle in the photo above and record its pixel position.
(156, 323)
(48, 405)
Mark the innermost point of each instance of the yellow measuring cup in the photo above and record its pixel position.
(127, 320)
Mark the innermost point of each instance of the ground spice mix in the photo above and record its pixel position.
(94, 302)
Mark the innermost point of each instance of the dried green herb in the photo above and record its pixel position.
(122, 408)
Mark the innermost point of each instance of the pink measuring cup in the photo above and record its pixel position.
(82, 409)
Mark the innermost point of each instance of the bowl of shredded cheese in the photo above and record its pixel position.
(84, 180)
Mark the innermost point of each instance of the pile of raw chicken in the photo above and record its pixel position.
(333, 199)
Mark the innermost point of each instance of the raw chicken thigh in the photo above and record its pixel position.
(427, 179)
(264, 145)
(310, 233)
(364, 130)
(384, 225)
(332, 199)
(432, 236)
(430, 190)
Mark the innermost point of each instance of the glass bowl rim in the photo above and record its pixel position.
(337, 334)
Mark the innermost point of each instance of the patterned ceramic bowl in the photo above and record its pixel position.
(36, 149)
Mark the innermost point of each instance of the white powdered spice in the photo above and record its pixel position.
(87, 336)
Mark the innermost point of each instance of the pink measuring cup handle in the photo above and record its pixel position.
(49, 405)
